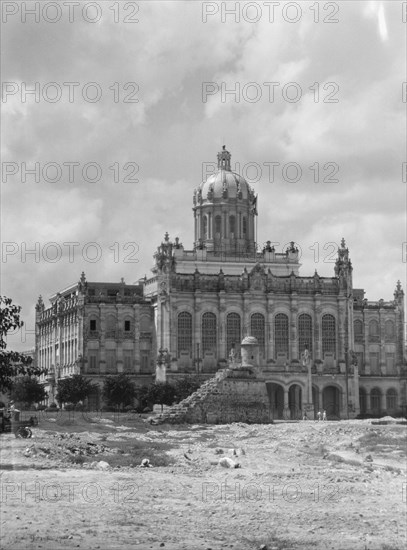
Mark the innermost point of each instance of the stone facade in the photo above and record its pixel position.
(322, 344)
(308, 327)
(96, 329)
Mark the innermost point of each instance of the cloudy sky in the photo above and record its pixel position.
(147, 97)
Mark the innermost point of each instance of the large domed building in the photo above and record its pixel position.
(322, 344)
(207, 299)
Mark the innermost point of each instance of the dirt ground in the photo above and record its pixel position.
(304, 485)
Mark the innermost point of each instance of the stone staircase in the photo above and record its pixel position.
(192, 408)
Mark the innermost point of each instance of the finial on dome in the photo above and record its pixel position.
(224, 159)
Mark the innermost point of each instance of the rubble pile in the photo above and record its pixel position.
(66, 447)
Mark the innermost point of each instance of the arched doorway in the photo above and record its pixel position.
(375, 401)
(295, 402)
(362, 401)
(391, 400)
(331, 402)
(276, 399)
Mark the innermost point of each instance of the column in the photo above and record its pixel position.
(341, 328)
(293, 328)
(317, 347)
(285, 398)
(383, 400)
(366, 346)
(222, 326)
(356, 388)
(270, 352)
(367, 401)
(382, 350)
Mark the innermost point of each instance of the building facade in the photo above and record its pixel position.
(95, 329)
(208, 299)
(322, 344)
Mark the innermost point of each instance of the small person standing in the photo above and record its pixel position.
(319, 415)
(324, 416)
(305, 417)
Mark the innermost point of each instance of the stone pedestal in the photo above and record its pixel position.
(161, 373)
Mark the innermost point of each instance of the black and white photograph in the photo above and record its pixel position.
(203, 275)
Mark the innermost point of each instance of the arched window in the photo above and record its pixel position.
(205, 227)
(233, 333)
(244, 226)
(389, 330)
(232, 226)
(184, 332)
(328, 334)
(304, 333)
(281, 333)
(375, 398)
(209, 332)
(257, 326)
(93, 324)
(218, 227)
(391, 399)
(358, 330)
(374, 332)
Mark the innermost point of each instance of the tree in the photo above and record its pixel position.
(27, 390)
(119, 390)
(74, 389)
(185, 387)
(160, 393)
(12, 363)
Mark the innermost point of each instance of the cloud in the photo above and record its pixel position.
(170, 132)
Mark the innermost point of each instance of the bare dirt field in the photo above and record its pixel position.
(78, 483)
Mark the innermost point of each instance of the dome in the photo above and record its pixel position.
(224, 184)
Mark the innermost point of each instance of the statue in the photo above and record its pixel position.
(232, 356)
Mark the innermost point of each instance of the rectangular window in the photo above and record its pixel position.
(390, 363)
(92, 363)
(361, 364)
(92, 324)
(111, 361)
(374, 363)
(127, 326)
(144, 360)
(128, 360)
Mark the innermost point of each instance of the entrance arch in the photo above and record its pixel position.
(276, 399)
(375, 401)
(295, 402)
(331, 402)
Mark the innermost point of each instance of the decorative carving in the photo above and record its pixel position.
(164, 358)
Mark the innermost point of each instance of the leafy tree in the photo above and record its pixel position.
(186, 386)
(74, 389)
(12, 363)
(27, 390)
(119, 390)
(161, 393)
